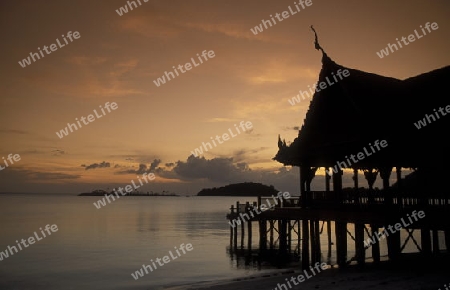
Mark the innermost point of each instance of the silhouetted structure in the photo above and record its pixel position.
(345, 118)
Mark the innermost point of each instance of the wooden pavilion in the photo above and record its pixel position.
(349, 117)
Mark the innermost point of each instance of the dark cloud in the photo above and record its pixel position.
(216, 169)
(58, 152)
(20, 175)
(97, 165)
(153, 167)
(154, 164)
(12, 131)
(171, 164)
(222, 171)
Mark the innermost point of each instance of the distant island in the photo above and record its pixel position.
(101, 192)
(240, 189)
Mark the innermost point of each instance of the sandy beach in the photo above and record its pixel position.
(411, 274)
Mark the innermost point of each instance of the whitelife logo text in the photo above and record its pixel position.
(90, 118)
(35, 56)
(184, 68)
(199, 151)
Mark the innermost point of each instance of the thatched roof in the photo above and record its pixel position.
(348, 115)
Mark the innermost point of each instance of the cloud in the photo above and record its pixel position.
(58, 152)
(12, 131)
(226, 170)
(97, 165)
(154, 164)
(142, 168)
(20, 176)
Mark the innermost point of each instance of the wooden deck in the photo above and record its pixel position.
(368, 213)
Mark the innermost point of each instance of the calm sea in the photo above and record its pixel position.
(100, 248)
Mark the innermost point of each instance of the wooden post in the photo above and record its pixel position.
(262, 234)
(359, 244)
(242, 234)
(447, 240)
(385, 174)
(341, 243)
(318, 250)
(394, 243)
(271, 226)
(376, 245)
(299, 238)
(356, 185)
(337, 186)
(399, 187)
(305, 244)
(436, 250)
(303, 193)
(235, 236)
(249, 230)
(282, 224)
(312, 234)
(231, 236)
(329, 241)
(327, 179)
(289, 235)
(425, 241)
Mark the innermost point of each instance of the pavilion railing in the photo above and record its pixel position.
(326, 199)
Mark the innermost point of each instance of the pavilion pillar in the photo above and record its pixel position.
(337, 186)
(371, 177)
(399, 186)
(385, 174)
(305, 244)
(327, 180)
(303, 193)
(356, 185)
(447, 239)
(341, 243)
(376, 245)
(311, 173)
(425, 238)
(359, 244)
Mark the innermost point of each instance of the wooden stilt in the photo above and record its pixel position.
(394, 243)
(299, 237)
(235, 236)
(436, 250)
(447, 240)
(317, 232)
(376, 245)
(242, 234)
(305, 244)
(341, 243)
(282, 232)
(329, 241)
(262, 234)
(249, 230)
(359, 244)
(231, 236)
(289, 235)
(312, 234)
(425, 241)
(271, 225)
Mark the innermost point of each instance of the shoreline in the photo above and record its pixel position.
(414, 274)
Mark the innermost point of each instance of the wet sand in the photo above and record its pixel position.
(410, 274)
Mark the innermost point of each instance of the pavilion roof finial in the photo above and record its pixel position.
(316, 41)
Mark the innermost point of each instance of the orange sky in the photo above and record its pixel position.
(250, 78)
